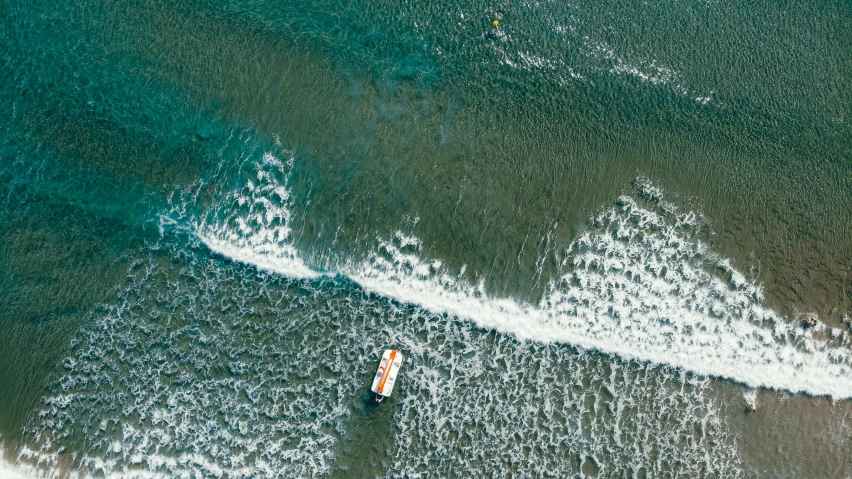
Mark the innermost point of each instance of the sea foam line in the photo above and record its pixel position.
(639, 294)
(262, 256)
(19, 470)
(251, 224)
(239, 393)
(11, 471)
(636, 285)
(618, 298)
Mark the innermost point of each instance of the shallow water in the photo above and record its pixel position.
(595, 232)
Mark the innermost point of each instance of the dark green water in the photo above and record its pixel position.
(594, 231)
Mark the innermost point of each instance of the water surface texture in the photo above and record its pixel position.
(595, 231)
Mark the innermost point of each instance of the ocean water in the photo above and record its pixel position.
(595, 231)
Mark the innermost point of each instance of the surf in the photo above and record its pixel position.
(636, 284)
(229, 369)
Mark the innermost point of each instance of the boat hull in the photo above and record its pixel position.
(385, 378)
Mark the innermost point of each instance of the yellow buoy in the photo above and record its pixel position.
(496, 23)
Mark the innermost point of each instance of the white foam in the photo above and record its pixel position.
(9, 471)
(638, 288)
(179, 379)
(498, 406)
(283, 260)
(272, 392)
(19, 470)
(636, 285)
(250, 224)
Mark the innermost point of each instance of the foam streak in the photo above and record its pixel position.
(636, 285)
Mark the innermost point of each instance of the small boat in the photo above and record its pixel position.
(386, 375)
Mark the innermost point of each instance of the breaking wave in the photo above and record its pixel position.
(636, 284)
(203, 369)
(252, 224)
(13, 471)
(206, 367)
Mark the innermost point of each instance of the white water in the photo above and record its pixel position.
(587, 59)
(16, 471)
(637, 288)
(10, 471)
(254, 224)
(636, 285)
(224, 372)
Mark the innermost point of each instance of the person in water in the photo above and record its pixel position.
(812, 322)
(752, 406)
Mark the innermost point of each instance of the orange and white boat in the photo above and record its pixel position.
(386, 375)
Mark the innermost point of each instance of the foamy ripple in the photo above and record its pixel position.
(226, 371)
(636, 284)
(206, 368)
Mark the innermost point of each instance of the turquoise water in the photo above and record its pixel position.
(594, 231)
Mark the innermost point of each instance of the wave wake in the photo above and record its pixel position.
(636, 284)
